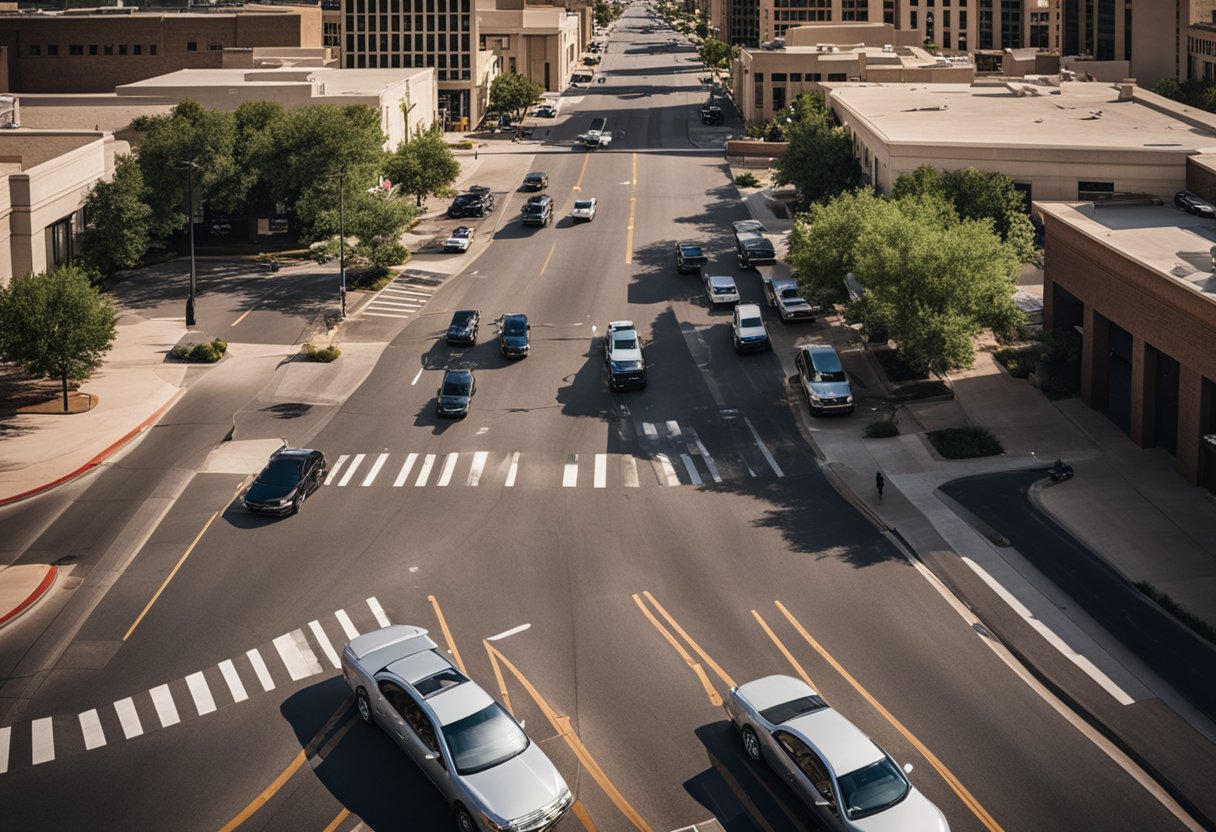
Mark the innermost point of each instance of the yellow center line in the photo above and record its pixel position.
(580, 812)
(578, 186)
(562, 725)
(633, 201)
(548, 257)
(784, 651)
(447, 634)
(256, 304)
(714, 698)
(722, 674)
(502, 684)
(179, 563)
(337, 821)
(953, 782)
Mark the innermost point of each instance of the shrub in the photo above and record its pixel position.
(882, 429)
(220, 345)
(1171, 606)
(463, 144)
(747, 179)
(207, 352)
(1019, 362)
(181, 352)
(965, 443)
(325, 354)
(369, 279)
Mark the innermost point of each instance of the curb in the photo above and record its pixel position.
(48, 579)
(98, 459)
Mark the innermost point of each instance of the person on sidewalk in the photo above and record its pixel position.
(879, 482)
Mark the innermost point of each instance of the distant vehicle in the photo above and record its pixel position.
(823, 380)
(545, 111)
(220, 229)
(538, 210)
(463, 328)
(838, 772)
(748, 330)
(581, 77)
(459, 239)
(690, 257)
(785, 296)
(712, 114)
(720, 288)
(753, 249)
(623, 356)
(598, 135)
(584, 209)
(514, 336)
(468, 745)
(471, 204)
(288, 478)
(591, 60)
(741, 226)
(535, 181)
(455, 393)
(1192, 204)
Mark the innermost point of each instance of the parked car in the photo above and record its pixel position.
(712, 114)
(1192, 204)
(748, 330)
(545, 111)
(471, 204)
(584, 209)
(841, 774)
(459, 239)
(623, 356)
(291, 475)
(753, 249)
(824, 381)
(538, 210)
(591, 60)
(463, 328)
(785, 296)
(455, 393)
(514, 335)
(690, 257)
(467, 744)
(743, 226)
(720, 288)
(535, 181)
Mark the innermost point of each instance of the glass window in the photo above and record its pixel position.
(122, 49)
(796, 77)
(52, 49)
(35, 49)
(872, 789)
(1095, 190)
(76, 49)
(484, 739)
(137, 48)
(93, 49)
(191, 46)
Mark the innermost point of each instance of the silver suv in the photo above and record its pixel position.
(823, 380)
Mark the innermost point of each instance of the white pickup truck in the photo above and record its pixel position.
(598, 135)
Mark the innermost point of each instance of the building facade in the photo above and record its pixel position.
(95, 52)
(541, 44)
(958, 26)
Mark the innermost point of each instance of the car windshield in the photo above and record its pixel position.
(827, 367)
(532, 177)
(461, 319)
(457, 386)
(461, 232)
(690, 251)
(790, 293)
(484, 739)
(750, 323)
(514, 326)
(626, 343)
(582, 203)
(786, 711)
(281, 472)
(872, 789)
(465, 199)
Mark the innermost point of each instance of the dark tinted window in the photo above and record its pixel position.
(515, 326)
(786, 711)
(462, 319)
(282, 472)
(872, 789)
(690, 251)
(442, 680)
(460, 385)
(827, 366)
(484, 739)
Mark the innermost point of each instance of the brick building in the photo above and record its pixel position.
(96, 51)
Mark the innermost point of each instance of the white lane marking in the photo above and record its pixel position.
(408, 290)
(128, 717)
(691, 469)
(407, 304)
(376, 466)
(259, 667)
(5, 739)
(509, 632)
(204, 702)
(235, 686)
(405, 471)
(449, 465)
(570, 474)
(772, 463)
(709, 460)
(377, 611)
(333, 472)
(629, 471)
(350, 472)
(673, 429)
(668, 476)
(348, 626)
(513, 470)
(601, 470)
(650, 430)
(1088, 667)
(323, 640)
(297, 656)
(44, 740)
(166, 709)
(417, 376)
(479, 464)
(383, 315)
(425, 472)
(91, 730)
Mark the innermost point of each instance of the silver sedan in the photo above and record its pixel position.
(477, 755)
(844, 775)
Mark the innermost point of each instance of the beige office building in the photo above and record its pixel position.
(539, 42)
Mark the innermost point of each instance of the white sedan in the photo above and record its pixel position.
(584, 210)
(720, 288)
(459, 240)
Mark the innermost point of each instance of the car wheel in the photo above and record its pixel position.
(364, 706)
(751, 744)
(295, 504)
(464, 821)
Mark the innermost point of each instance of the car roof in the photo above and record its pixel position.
(457, 371)
(419, 666)
(515, 315)
(748, 225)
(455, 703)
(721, 279)
(774, 690)
(291, 453)
(394, 642)
(747, 309)
(688, 244)
(782, 282)
(754, 238)
(841, 742)
(463, 314)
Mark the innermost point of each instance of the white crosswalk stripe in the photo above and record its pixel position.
(425, 472)
(351, 469)
(601, 471)
(166, 708)
(6, 735)
(691, 469)
(376, 466)
(235, 686)
(378, 611)
(260, 669)
(629, 471)
(128, 717)
(665, 471)
(513, 470)
(297, 655)
(570, 474)
(348, 626)
(333, 472)
(405, 470)
(399, 299)
(42, 732)
(479, 464)
(204, 702)
(449, 465)
(91, 731)
(323, 640)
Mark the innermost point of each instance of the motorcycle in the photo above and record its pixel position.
(1059, 471)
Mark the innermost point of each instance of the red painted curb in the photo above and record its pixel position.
(47, 580)
(95, 461)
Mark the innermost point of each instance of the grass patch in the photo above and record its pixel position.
(922, 390)
(207, 352)
(325, 355)
(1019, 362)
(882, 429)
(368, 280)
(1161, 599)
(463, 144)
(896, 368)
(747, 179)
(965, 443)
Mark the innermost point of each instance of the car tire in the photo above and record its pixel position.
(751, 744)
(363, 706)
(464, 821)
(296, 503)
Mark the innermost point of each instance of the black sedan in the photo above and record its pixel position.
(1192, 204)
(455, 393)
(536, 181)
(463, 328)
(513, 338)
(286, 481)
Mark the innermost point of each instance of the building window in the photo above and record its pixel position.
(76, 49)
(151, 48)
(1095, 190)
(59, 242)
(215, 47)
(52, 49)
(92, 49)
(35, 49)
(191, 46)
(122, 49)
(779, 77)
(796, 77)
(837, 76)
(108, 49)
(137, 49)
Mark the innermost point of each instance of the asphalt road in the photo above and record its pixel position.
(637, 580)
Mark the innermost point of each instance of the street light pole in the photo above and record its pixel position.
(342, 236)
(190, 166)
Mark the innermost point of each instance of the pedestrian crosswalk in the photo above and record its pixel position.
(401, 298)
(291, 658)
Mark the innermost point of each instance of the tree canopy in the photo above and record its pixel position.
(423, 166)
(818, 159)
(717, 54)
(56, 325)
(513, 93)
(117, 220)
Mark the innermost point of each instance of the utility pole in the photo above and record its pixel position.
(190, 166)
(342, 236)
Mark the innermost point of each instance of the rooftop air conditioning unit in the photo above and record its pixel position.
(888, 48)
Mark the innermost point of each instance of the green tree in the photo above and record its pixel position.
(117, 220)
(423, 166)
(512, 93)
(818, 159)
(56, 325)
(717, 54)
(1209, 99)
(375, 221)
(257, 124)
(605, 12)
(702, 29)
(824, 240)
(1170, 88)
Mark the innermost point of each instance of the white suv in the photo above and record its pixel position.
(748, 329)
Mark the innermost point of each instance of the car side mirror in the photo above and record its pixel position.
(432, 756)
(438, 391)
(907, 768)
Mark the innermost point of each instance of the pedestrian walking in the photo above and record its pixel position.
(879, 482)
(474, 153)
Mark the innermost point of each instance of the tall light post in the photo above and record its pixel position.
(342, 236)
(189, 168)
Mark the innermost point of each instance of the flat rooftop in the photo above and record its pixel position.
(30, 148)
(1165, 239)
(1073, 115)
(336, 81)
